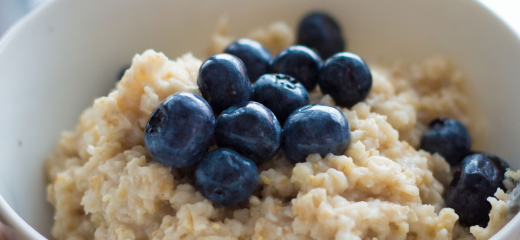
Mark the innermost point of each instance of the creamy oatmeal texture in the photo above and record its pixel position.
(104, 185)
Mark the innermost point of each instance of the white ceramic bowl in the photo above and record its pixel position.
(56, 60)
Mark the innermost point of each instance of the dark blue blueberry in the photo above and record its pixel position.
(225, 177)
(281, 93)
(256, 57)
(346, 78)
(478, 177)
(499, 162)
(223, 81)
(315, 129)
(319, 31)
(250, 129)
(180, 130)
(122, 72)
(449, 138)
(301, 63)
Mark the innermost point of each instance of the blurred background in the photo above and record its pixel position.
(12, 10)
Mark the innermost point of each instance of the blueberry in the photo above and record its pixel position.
(321, 32)
(256, 57)
(122, 72)
(180, 130)
(478, 177)
(315, 129)
(301, 63)
(501, 165)
(225, 177)
(281, 93)
(499, 162)
(346, 78)
(250, 129)
(449, 138)
(223, 81)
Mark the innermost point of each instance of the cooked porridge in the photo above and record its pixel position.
(105, 185)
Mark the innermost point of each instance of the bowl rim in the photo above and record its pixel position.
(15, 226)
(18, 228)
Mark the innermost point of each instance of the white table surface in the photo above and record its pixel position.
(507, 10)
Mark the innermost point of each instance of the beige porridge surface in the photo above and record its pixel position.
(104, 185)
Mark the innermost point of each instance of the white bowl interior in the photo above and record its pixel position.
(62, 56)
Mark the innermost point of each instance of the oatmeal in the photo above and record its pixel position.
(105, 185)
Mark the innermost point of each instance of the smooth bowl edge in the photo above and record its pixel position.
(14, 226)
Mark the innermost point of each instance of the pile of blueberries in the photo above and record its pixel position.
(478, 174)
(262, 106)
